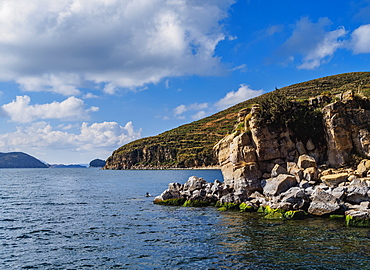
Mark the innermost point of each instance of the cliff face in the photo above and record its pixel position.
(146, 157)
(250, 155)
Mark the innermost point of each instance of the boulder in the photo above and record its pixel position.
(278, 169)
(306, 161)
(356, 194)
(168, 195)
(293, 169)
(311, 174)
(296, 197)
(358, 218)
(323, 203)
(339, 192)
(175, 186)
(281, 183)
(194, 183)
(363, 167)
(332, 180)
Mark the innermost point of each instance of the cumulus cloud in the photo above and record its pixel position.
(20, 110)
(360, 39)
(59, 45)
(198, 115)
(243, 93)
(106, 135)
(181, 109)
(314, 42)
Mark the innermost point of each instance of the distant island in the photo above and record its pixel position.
(20, 160)
(99, 163)
(67, 166)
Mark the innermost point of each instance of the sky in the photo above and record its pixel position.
(80, 78)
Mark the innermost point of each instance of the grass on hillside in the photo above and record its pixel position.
(195, 141)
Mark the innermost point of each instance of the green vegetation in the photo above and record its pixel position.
(191, 145)
(226, 206)
(196, 203)
(303, 120)
(246, 208)
(171, 202)
(357, 222)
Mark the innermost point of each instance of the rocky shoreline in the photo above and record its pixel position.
(293, 191)
(290, 159)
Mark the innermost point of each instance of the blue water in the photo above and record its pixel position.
(95, 219)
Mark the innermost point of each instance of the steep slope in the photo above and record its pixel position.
(191, 145)
(19, 160)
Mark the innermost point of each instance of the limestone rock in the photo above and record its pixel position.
(281, 183)
(323, 203)
(357, 194)
(306, 161)
(293, 169)
(296, 197)
(278, 169)
(310, 174)
(167, 195)
(194, 183)
(363, 167)
(175, 186)
(339, 192)
(332, 180)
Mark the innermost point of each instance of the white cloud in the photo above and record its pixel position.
(360, 42)
(324, 50)
(243, 93)
(40, 135)
(58, 83)
(21, 111)
(181, 109)
(313, 42)
(59, 45)
(198, 115)
(242, 68)
(90, 95)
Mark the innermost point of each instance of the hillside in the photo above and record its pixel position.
(191, 145)
(19, 160)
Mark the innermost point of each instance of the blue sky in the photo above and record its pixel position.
(79, 78)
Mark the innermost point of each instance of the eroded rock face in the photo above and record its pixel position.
(248, 156)
(345, 127)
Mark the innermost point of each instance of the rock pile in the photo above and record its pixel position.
(293, 191)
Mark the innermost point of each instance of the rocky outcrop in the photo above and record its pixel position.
(346, 127)
(272, 166)
(249, 155)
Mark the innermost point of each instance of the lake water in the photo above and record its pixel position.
(95, 219)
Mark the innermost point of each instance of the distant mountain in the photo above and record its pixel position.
(19, 160)
(67, 166)
(97, 163)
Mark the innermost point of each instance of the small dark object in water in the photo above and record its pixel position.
(148, 195)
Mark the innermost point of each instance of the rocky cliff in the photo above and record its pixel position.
(290, 158)
(341, 135)
(191, 145)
